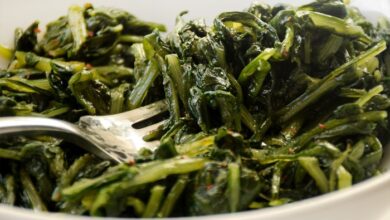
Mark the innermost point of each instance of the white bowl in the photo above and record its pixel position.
(369, 200)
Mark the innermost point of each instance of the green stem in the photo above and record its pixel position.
(196, 147)
(157, 194)
(10, 186)
(248, 119)
(80, 188)
(131, 39)
(234, 186)
(176, 74)
(251, 68)
(373, 92)
(173, 196)
(137, 204)
(334, 169)
(143, 85)
(373, 116)
(328, 83)
(344, 178)
(32, 193)
(69, 175)
(162, 169)
(276, 179)
(10, 154)
(312, 166)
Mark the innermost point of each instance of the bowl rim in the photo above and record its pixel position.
(299, 207)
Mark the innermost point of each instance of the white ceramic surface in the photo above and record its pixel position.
(369, 200)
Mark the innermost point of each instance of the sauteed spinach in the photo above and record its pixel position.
(267, 106)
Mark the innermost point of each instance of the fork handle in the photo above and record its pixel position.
(36, 126)
(29, 126)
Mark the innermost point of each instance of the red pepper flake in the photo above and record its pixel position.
(285, 53)
(37, 30)
(322, 126)
(88, 66)
(131, 162)
(87, 5)
(210, 186)
(90, 34)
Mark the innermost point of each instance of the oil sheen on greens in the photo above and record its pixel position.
(268, 106)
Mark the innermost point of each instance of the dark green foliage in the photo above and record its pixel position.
(210, 193)
(268, 106)
(27, 39)
(331, 7)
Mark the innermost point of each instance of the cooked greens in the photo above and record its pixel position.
(267, 106)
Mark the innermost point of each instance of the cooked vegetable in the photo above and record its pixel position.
(268, 106)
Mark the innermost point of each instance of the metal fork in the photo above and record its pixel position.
(113, 137)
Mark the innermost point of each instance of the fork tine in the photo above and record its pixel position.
(146, 130)
(142, 113)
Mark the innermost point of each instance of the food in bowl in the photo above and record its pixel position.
(268, 106)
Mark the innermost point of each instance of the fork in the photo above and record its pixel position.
(117, 137)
